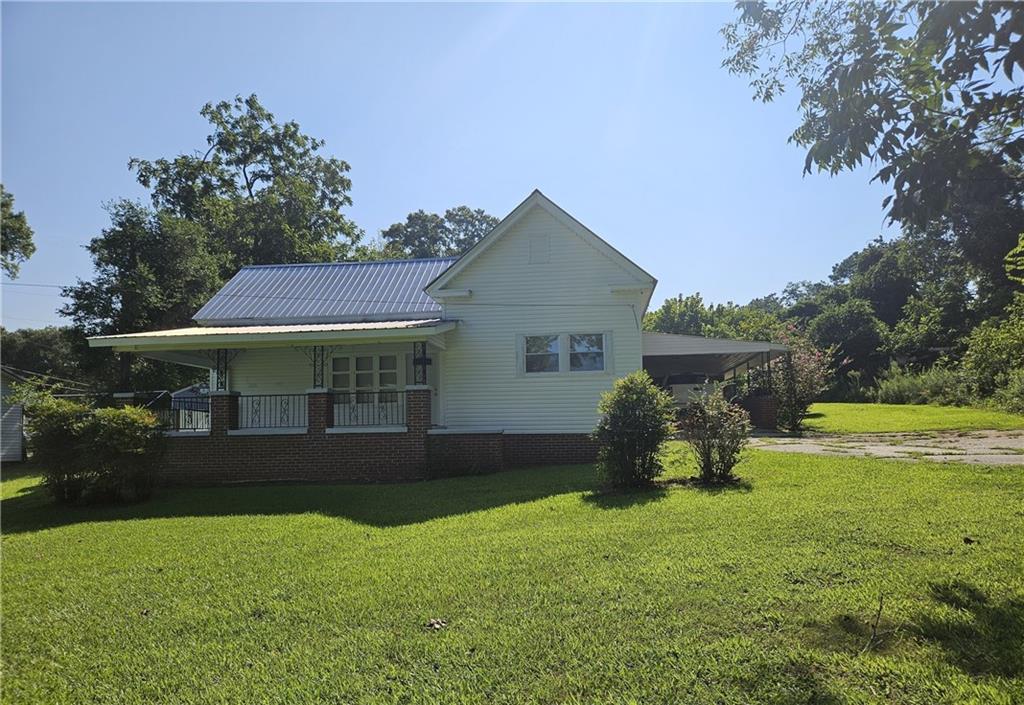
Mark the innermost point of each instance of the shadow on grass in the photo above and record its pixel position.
(854, 634)
(736, 484)
(625, 498)
(979, 635)
(32, 509)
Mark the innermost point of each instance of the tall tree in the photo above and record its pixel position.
(16, 243)
(431, 235)
(682, 315)
(928, 91)
(261, 189)
(153, 271)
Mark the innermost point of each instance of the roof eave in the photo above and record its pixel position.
(136, 343)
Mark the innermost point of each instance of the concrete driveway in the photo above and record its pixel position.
(980, 447)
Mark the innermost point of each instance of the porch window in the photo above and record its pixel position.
(364, 378)
(340, 373)
(586, 352)
(366, 375)
(542, 353)
(387, 376)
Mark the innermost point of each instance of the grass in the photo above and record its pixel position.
(880, 418)
(547, 592)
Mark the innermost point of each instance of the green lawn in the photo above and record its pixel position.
(871, 418)
(550, 593)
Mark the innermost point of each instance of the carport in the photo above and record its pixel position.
(682, 363)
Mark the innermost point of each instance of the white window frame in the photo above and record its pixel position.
(564, 367)
(604, 353)
(561, 352)
(352, 389)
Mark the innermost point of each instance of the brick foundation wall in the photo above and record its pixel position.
(342, 457)
(314, 456)
(319, 455)
(525, 449)
(451, 454)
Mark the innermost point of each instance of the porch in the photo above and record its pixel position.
(272, 373)
(318, 402)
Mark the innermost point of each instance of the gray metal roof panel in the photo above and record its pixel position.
(329, 292)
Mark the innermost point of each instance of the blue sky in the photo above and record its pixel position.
(621, 114)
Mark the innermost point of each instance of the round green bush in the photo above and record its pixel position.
(636, 419)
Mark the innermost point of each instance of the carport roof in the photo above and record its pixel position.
(667, 354)
(662, 344)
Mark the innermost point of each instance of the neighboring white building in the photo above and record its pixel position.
(12, 420)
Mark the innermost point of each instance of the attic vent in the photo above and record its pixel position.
(540, 249)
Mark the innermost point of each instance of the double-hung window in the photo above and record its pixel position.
(542, 353)
(563, 352)
(586, 352)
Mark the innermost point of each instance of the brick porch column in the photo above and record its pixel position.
(223, 412)
(417, 408)
(319, 410)
(417, 420)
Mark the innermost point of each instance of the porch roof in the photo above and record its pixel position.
(207, 337)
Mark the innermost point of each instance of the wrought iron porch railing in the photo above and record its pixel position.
(272, 411)
(369, 408)
(182, 413)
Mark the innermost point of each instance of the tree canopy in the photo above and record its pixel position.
(431, 235)
(928, 92)
(261, 189)
(16, 243)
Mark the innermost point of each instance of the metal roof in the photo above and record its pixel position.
(330, 292)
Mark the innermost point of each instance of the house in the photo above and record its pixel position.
(385, 370)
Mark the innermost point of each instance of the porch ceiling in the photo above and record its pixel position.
(210, 337)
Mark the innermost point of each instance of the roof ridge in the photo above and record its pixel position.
(360, 262)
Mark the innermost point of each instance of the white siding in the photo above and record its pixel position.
(11, 430)
(538, 278)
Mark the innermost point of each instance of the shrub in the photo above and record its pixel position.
(1010, 396)
(636, 419)
(996, 347)
(798, 378)
(937, 385)
(124, 445)
(717, 431)
(54, 430)
(93, 455)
